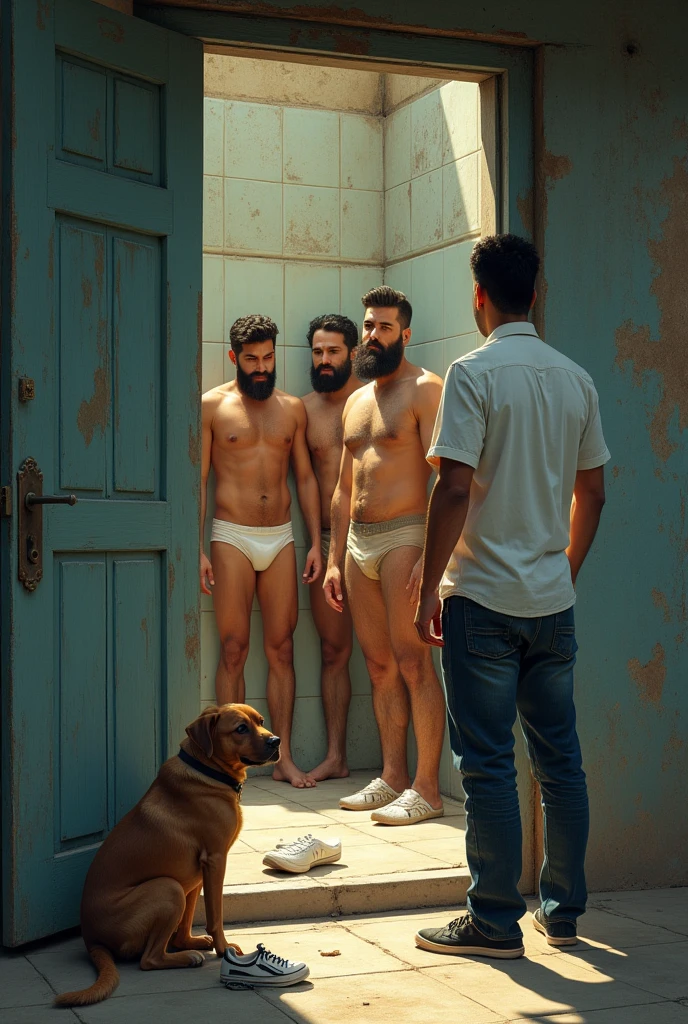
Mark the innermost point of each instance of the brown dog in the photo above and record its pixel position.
(141, 889)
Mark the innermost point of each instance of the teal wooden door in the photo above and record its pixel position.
(102, 172)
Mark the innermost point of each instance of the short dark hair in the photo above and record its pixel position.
(337, 323)
(506, 267)
(252, 328)
(383, 295)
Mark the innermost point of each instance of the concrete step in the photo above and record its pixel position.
(381, 869)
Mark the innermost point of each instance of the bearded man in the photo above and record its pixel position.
(378, 524)
(251, 434)
(332, 339)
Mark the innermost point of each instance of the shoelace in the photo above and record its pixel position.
(297, 846)
(279, 961)
(455, 926)
(407, 799)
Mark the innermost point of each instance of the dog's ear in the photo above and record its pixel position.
(201, 731)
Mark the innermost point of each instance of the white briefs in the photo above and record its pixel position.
(260, 544)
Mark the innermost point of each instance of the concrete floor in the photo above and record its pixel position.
(631, 967)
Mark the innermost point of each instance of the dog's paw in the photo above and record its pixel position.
(196, 959)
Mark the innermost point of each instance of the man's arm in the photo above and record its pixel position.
(340, 514)
(207, 411)
(586, 509)
(308, 492)
(429, 393)
(446, 518)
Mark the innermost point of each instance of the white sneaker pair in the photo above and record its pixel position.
(303, 853)
(407, 808)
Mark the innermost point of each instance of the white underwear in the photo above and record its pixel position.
(260, 544)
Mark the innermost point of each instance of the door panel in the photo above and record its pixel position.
(100, 661)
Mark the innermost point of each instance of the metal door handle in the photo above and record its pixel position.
(32, 499)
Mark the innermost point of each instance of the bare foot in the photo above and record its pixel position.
(288, 772)
(330, 768)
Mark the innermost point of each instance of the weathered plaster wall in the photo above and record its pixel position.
(613, 161)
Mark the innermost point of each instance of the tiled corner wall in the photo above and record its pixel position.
(304, 210)
(432, 217)
(293, 227)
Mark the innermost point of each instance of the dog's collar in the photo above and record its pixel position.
(212, 773)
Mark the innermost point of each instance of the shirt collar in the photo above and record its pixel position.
(509, 330)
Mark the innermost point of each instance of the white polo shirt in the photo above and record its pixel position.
(526, 418)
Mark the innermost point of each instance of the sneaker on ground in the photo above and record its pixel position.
(376, 794)
(260, 968)
(407, 809)
(461, 938)
(559, 933)
(303, 853)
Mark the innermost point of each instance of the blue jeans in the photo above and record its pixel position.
(496, 667)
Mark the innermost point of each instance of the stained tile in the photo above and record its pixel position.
(361, 152)
(362, 228)
(311, 220)
(454, 348)
(460, 120)
(426, 133)
(397, 221)
(430, 356)
(213, 135)
(355, 282)
(297, 365)
(311, 147)
(427, 297)
(253, 215)
(212, 370)
(213, 298)
(212, 211)
(458, 290)
(426, 210)
(397, 147)
(461, 208)
(253, 141)
(399, 276)
(254, 286)
(309, 291)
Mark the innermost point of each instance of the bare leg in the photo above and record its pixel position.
(278, 599)
(336, 636)
(390, 696)
(235, 584)
(428, 709)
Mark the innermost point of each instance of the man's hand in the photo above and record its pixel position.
(414, 581)
(313, 567)
(332, 585)
(206, 574)
(428, 621)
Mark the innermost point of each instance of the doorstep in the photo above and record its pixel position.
(382, 868)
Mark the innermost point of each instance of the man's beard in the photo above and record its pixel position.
(260, 390)
(328, 382)
(371, 363)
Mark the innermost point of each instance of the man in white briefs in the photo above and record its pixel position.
(252, 432)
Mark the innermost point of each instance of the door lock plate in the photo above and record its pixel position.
(30, 480)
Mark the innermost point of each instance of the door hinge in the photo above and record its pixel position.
(5, 501)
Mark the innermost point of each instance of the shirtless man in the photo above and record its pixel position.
(332, 339)
(251, 432)
(378, 522)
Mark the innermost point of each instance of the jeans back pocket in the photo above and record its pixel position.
(564, 635)
(488, 633)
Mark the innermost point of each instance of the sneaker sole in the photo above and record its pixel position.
(551, 939)
(267, 982)
(273, 862)
(381, 820)
(495, 954)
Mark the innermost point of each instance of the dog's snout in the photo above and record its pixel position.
(273, 741)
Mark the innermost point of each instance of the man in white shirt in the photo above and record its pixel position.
(519, 446)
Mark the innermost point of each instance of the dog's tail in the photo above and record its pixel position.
(104, 985)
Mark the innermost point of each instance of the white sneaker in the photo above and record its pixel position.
(408, 809)
(376, 794)
(260, 968)
(303, 854)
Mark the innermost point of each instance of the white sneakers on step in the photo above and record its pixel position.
(303, 853)
(407, 808)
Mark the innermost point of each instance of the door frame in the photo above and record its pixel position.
(510, 82)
